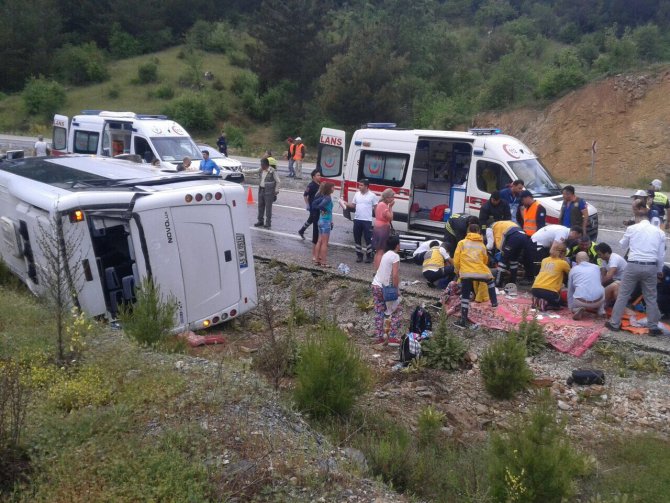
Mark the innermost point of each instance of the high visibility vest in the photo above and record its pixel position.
(529, 216)
(499, 230)
(298, 151)
(433, 259)
(660, 199)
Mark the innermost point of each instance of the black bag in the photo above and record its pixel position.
(586, 377)
(408, 350)
(420, 321)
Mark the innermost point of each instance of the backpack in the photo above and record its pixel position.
(420, 321)
(409, 349)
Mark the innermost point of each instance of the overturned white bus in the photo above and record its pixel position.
(187, 232)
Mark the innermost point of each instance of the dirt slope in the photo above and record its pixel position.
(628, 116)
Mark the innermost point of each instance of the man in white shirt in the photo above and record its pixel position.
(585, 293)
(545, 237)
(363, 203)
(612, 268)
(41, 147)
(646, 254)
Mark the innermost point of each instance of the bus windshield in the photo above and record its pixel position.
(175, 149)
(536, 178)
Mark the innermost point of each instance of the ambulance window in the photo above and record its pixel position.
(383, 167)
(491, 176)
(143, 149)
(330, 160)
(85, 142)
(59, 141)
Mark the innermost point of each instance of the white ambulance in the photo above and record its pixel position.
(113, 134)
(435, 174)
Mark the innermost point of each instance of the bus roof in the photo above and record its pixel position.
(82, 172)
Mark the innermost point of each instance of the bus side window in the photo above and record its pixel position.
(491, 176)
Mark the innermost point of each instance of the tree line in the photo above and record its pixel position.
(426, 63)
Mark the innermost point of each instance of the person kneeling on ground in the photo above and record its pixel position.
(437, 265)
(546, 289)
(585, 292)
(613, 266)
(387, 274)
(471, 264)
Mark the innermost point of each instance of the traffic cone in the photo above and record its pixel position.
(250, 197)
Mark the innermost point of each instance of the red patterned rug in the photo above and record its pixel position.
(561, 331)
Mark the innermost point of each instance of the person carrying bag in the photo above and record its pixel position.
(385, 293)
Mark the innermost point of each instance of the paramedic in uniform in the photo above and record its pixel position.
(646, 254)
(268, 188)
(513, 243)
(455, 230)
(437, 265)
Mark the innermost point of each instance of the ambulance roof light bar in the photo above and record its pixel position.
(379, 125)
(479, 131)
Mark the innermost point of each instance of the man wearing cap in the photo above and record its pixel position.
(298, 156)
(289, 157)
(574, 210)
(646, 254)
(659, 201)
(531, 214)
(268, 188)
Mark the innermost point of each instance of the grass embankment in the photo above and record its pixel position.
(122, 93)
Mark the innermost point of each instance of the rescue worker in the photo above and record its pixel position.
(585, 244)
(659, 201)
(573, 210)
(511, 195)
(471, 263)
(437, 265)
(532, 215)
(455, 230)
(494, 210)
(298, 156)
(513, 244)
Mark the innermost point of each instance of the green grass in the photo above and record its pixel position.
(141, 99)
(635, 465)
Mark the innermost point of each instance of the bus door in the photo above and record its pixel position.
(116, 138)
(330, 157)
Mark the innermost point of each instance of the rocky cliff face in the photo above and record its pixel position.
(627, 115)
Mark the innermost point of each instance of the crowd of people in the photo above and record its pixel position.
(510, 242)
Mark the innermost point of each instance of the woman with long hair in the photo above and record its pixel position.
(324, 203)
(388, 274)
(382, 224)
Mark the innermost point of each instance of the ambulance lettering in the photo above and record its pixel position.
(511, 151)
(331, 140)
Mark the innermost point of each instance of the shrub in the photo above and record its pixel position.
(297, 315)
(81, 64)
(13, 404)
(430, 422)
(245, 81)
(150, 320)
(7, 278)
(504, 369)
(535, 461)
(235, 137)
(164, 92)
(122, 44)
(531, 334)
(114, 92)
(80, 388)
(147, 73)
(331, 374)
(191, 111)
(443, 351)
(43, 97)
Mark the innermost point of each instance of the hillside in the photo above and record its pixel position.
(628, 116)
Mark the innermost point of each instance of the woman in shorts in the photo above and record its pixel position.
(382, 224)
(325, 224)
